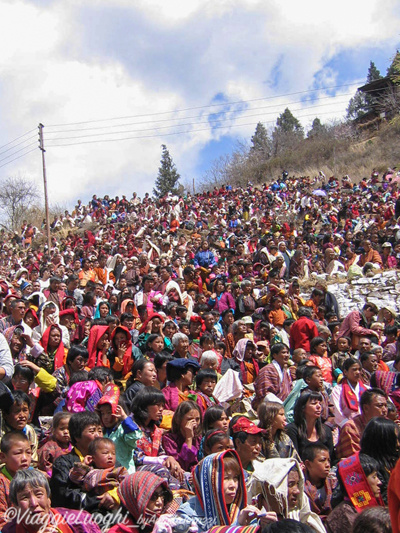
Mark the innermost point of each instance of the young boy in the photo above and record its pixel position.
(97, 474)
(319, 483)
(205, 384)
(16, 416)
(118, 427)
(339, 357)
(15, 455)
(312, 375)
(83, 427)
(58, 444)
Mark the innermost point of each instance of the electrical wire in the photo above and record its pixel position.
(17, 151)
(206, 106)
(218, 121)
(22, 155)
(184, 118)
(175, 133)
(18, 144)
(17, 139)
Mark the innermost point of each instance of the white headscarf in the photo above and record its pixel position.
(270, 478)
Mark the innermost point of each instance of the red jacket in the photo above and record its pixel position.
(302, 332)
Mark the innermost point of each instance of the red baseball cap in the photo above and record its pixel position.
(246, 425)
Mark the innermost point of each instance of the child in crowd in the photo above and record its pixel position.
(118, 427)
(319, 483)
(205, 385)
(339, 357)
(214, 441)
(58, 444)
(16, 416)
(15, 455)
(97, 473)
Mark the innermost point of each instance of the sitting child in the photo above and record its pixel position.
(214, 441)
(15, 455)
(58, 444)
(118, 426)
(339, 357)
(319, 484)
(16, 416)
(97, 473)
(205, 385)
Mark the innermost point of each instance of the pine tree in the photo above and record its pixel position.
(373, 73)
(287, 133)
(168, 178)
(394, 69)
(261, 143)
(317, 129)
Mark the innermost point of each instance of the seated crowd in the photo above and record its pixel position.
(192, 381)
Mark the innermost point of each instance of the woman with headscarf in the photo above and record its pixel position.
(221, 498)
(278, 484)
(51, 353)
(144, 496)
(17, 343)
(153, 325)
(128, 306)
(115, 267)
(98, 345)
(243, 361)
(50, 314)
(103, 310)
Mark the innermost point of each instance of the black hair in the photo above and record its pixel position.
(278, 347)
(298, 414)
(316, 341)
(309, 371)
(213, 437)
(138, 366)
(160, 358)
(380, 441)
(94, 445)
(221, 346)
(288, 526)
(311, 450)
(205, 374)
(373, 520)
(364, 357)
(181, 309)
(288, 322)
(79, 421)
(211, 415)
(151, 338)
(368, 395)
(391, 330)
(81, 375)
(146, 397)
(10, 438)
(88, 298)
(126, 316)
(183, 409)
(19, 399)
(24, 372)
(204, 338)
(111, 319)
(61, 415)
(349, 362)
(75, 351)
(102, 374)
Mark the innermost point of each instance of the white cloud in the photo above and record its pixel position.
(63, 62)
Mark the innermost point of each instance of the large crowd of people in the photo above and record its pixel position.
(180, 364)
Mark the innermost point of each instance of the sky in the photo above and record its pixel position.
(113, 80)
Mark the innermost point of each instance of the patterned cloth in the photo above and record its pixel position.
(268, 380)
(135, 492)
(208, 478)
(100, 480)
(350, 437)
(321, 507)
(48, 453)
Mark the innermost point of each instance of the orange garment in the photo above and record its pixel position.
(277, 317)
(383, 366)
(393, 493)
(85, 276)
(101, 274)
(310, 303)
(371, 257)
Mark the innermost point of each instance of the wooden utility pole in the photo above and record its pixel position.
(46, 200)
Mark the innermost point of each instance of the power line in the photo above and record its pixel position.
(20, 137)
(17, 151)
(206, 106)
(218, 121)
(22, 155)
(18, 144)
(175, 133)
(176, 125)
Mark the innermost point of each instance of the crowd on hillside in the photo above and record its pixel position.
(180, 365)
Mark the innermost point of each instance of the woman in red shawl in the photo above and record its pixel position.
(98, 345)
(120, 353)
(54, 353)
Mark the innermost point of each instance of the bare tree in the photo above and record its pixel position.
(17, 195)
